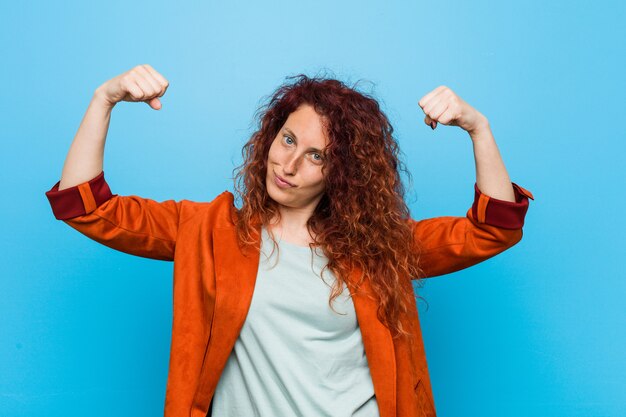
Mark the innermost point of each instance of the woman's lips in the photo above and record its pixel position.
(281, 182)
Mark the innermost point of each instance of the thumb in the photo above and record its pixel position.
(155, 103)
(430, 122)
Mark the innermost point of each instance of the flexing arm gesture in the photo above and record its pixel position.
(442, 105)
(83, 199)
(141, 83)
(84, 159)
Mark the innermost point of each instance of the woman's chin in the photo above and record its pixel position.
(276, 194)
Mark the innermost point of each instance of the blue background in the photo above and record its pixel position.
(537, 330)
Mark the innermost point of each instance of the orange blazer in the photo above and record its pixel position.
(214, 282)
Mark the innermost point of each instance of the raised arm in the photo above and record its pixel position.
(85, 158)
(83, 199)
(442, 105)
(494, 222)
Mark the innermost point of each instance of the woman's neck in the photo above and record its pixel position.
(291, 228)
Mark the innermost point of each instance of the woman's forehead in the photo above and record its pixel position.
(306, 127)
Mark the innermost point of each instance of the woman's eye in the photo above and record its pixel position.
(317, 157)
(288, 138)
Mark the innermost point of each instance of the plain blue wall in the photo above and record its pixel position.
(537, 330)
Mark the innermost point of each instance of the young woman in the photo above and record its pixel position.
(300, 302)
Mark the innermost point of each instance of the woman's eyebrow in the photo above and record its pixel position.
(296, 138)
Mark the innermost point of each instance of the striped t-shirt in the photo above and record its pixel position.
(295, 356)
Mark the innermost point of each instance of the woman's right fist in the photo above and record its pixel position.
(141, 83)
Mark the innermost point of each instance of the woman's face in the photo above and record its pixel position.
(296, 156)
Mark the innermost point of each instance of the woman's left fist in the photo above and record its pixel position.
(443, 106)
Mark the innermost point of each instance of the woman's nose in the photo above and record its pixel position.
(291, 165)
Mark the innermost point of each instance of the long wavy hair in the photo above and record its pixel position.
(362, 218)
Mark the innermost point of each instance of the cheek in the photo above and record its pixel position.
(274, 148)
(273, 157)
(317, 178)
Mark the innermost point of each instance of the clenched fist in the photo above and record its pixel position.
(444, 106)
(142, 83)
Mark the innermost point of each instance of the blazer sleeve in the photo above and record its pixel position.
(449, 244)
(131, 224)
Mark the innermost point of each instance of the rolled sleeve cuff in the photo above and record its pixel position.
(501, 213)
(80, 199)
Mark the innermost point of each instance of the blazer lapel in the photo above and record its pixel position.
(235, 277)
(379, 347)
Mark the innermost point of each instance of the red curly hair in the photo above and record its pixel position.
(362, 218)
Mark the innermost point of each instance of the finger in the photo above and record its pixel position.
(434, 101)
(439, 108)
(155, 103)
(424, 100)
(155, 74)
(161, 79)
(430, 122)
(134, 90)
(142, 85)
(147, 81)
(447, 116)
